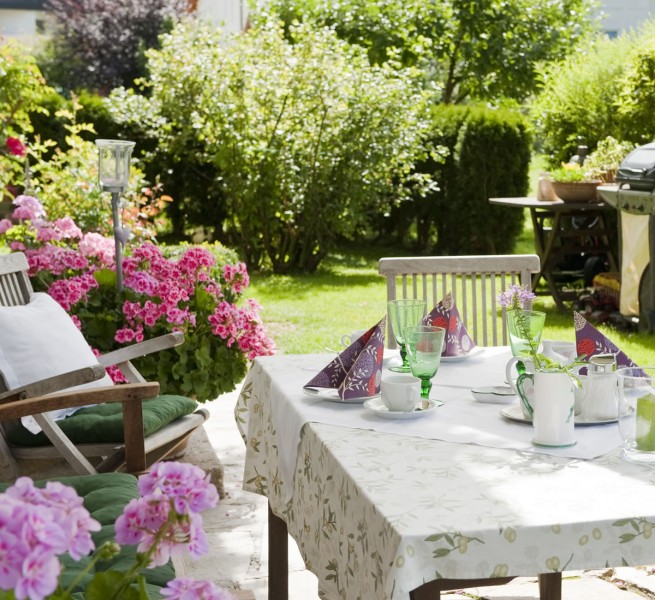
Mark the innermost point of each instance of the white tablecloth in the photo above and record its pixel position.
(376, 515)
(460, 419)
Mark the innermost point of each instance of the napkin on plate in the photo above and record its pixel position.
(589, 342)
(445, 314)
(356, 371)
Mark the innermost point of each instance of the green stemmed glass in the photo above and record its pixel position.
(404, 314)
(424, 345)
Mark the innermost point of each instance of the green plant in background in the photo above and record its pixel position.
(604, 161)
(488, 156)
(570, 173)
(21, 86)
(471, 49)
(576, 101)
(99, 45)
(607, 90)
(308, 138)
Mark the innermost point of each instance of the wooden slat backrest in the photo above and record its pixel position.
(473, 281)
(15, 286)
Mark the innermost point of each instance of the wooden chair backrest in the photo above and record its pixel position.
(473, 281)
(15, 286)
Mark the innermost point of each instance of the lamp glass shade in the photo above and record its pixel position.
(114, 164)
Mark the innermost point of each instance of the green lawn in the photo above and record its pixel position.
(309, 313)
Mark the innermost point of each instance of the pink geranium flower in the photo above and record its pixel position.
(15, 146)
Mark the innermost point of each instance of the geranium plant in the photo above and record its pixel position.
(41, 524)
(196, 291)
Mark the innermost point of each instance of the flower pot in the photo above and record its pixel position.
(576, 191)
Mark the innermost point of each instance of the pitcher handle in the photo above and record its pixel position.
(524, 397)
(520, 367)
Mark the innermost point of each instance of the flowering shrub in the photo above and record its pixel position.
(195, 291)
(41, 524)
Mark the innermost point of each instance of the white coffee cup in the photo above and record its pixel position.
(400, 393)
(562, 352)
(349, 338)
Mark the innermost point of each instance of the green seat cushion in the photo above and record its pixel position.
(104, 497)
(103, 423)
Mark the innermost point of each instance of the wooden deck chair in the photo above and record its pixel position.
(42, 355)
(473, 281)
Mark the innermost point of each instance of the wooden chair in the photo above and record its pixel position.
(136, 451)
(473, 281)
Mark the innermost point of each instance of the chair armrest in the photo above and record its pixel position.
(170, 340)
(130, 392)
(54, 384)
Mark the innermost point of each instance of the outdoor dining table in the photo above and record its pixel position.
(556, 238)
(385, 508)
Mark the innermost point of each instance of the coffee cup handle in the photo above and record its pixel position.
(413, 394)
(346, 340)
(524, 397)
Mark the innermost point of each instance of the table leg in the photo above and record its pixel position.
(550, 586)
(278, 557)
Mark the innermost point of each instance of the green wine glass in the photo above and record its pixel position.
(404, 314)
(424, 345)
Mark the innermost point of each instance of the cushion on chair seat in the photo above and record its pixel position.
(103, 423)
(104, 497)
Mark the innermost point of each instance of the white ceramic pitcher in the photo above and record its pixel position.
(551, 403)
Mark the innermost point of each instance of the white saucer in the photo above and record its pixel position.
(515, 413)
(497, 394)
(475, 352)
(332, 394)
(380, 409)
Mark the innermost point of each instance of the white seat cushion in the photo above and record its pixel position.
(40, 340)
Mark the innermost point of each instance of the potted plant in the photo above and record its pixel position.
(573, 183)
(604, 161)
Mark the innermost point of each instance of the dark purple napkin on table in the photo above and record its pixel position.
(445, 314)
(356, 371)
(589, 342)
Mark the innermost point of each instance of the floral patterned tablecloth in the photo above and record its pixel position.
(376, 514)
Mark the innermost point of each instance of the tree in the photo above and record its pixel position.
(472, 49)
(309, 139)
(99, 44)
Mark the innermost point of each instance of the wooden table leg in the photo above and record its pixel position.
(278, 557)
(550, 586)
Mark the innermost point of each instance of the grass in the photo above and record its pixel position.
(309, 313)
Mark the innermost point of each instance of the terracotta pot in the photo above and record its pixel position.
(578, 191)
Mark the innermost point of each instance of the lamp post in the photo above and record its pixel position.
(113, 175)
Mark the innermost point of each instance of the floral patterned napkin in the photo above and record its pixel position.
(589, 342)
(356, 371)
(445, 314)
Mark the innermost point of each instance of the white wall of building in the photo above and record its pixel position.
(229, 14)
(19, 24)
(621, 15)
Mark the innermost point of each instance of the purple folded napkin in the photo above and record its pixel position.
(446, 315)
(589, 342)
(356, 372)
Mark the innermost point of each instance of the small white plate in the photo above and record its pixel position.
(332, 394)
(515, 413)
(497, 394)
(475, 352)
(380, 409)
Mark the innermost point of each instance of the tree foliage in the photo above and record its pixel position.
(474, 49)
(309, 140)
(608, 90)
(99, 44)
